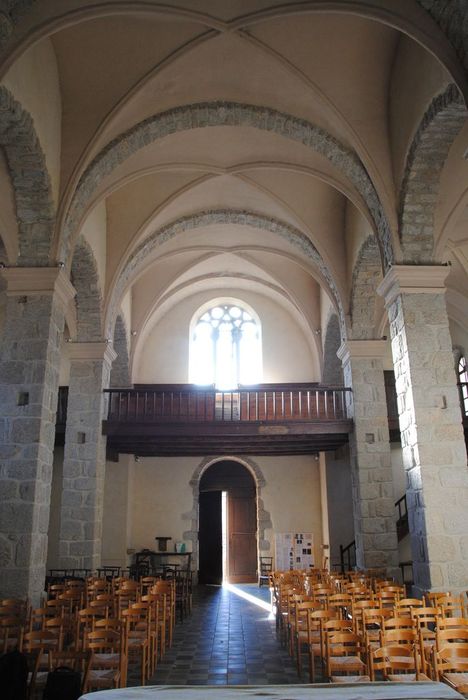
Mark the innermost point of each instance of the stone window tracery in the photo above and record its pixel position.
(226, 347)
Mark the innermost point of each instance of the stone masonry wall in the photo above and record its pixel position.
(84, 465)
(371, 470)
(29, 367)
(434, 451)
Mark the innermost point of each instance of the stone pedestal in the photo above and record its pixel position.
(434, 452)
(84, 456)
(29, 367)
(371, 468)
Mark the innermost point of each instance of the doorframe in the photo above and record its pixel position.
(263, 516)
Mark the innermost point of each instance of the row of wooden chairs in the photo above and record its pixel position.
(368, 622)
(124, 622)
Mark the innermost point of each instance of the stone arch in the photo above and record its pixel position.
(30, 179)
(85, 279)
(203, 115)
(263, 516)
(140, 255)
(120, 372)
(451, 16)
(427, 154)
(332, 373)
(367, 275)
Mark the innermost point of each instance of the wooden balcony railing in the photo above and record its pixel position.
(186, 403)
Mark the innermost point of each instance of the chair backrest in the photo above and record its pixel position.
(37, 639)
(11, 633)
(452, 606)
(451, 635)
(404, 637)
(392, 657)
(403, 622)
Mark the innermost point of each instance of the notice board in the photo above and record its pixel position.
(294, 550)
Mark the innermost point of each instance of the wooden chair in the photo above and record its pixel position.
(344, 658)
(168, 589)
(79, 661)
(315, 637)
(450, 664)
(109, 661)
(452, 606)
(341, 603)
(265, 571)
(11, 633)
(300, 630)
(405, 606)
(397, 663)
(426, 623)
(137, 636)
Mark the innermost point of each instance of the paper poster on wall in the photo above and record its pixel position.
(294, 550)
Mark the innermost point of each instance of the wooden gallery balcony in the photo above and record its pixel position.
(268, 419)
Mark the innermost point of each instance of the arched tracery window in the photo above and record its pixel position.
(225, 347)
(463, 383)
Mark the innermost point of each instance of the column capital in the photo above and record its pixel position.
(39, 281)
(413, 279)
(82, 352)
(362, 349)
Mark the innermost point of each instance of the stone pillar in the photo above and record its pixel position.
(434, 451)
(84, 456)
(371, 466)
(37, 299)
(324, 504)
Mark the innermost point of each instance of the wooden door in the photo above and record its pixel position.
(242, 537)
(210, 538)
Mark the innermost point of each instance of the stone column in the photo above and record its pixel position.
(433, 445)
(324, 504)
(84, 456)
(371, 466)
(37, 299)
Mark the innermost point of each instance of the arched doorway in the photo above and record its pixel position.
(227, 524)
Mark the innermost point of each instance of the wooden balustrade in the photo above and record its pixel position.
(270, 403)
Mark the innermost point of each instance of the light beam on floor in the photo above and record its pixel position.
(249, 597)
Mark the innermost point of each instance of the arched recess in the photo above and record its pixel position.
(140, 256)
(85, 279)
(120, 372)
(367, 275)
(204, 115)
(332, 374)
(427, 154)
(31, 182)
(263, 516)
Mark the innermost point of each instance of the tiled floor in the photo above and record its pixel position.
(227, 640)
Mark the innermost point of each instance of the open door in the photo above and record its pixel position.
(242, 537)
(210, 538)
(240, 533)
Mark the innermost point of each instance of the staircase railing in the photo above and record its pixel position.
(402, 524)
(348, 556)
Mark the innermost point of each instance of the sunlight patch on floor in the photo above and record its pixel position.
(249, 597)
